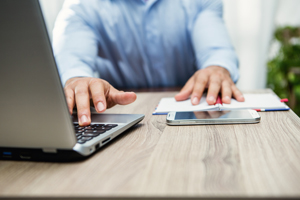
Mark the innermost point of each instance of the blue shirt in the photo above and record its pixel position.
(134, 43)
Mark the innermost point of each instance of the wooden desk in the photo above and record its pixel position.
(156, 160)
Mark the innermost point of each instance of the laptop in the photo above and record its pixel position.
(35, 123)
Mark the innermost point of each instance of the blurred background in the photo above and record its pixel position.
(266, 36)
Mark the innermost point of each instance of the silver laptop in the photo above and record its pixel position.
(34, 120)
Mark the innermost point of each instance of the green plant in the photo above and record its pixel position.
(284, 67)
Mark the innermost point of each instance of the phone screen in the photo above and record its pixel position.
(235, 114)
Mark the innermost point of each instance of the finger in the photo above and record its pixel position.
(124, 98)
(186, 91)
(82, 98)
(69, 93)
(199, 85)
(237, 94)
(226, 92)
(120, 97)
(97, 89)
(213, 90)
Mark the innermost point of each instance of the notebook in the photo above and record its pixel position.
(34, 119)
(259, 102)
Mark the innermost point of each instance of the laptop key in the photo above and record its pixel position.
(111, 125)
(90, 134)
(86, 138)
(96, 131)
(101, 131)
(90, 131)
(102, 128)
(94, 125)
(97, 125)
(81, 141)
(79, 128)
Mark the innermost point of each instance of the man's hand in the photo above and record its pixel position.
(216, 79)
(80, 90)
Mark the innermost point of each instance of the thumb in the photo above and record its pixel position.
(124, 98)
(119, 97)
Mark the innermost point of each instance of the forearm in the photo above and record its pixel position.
(74, 44)
(211, 41)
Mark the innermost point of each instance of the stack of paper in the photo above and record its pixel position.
(260, 102)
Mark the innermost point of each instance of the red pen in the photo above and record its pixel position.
(219, 100)
(284, 100)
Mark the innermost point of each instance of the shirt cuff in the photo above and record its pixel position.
(228, 62)
(75, 73)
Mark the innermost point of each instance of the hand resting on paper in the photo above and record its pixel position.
(216, 79)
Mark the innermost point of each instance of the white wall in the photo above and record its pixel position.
(250, 24)
(50, 10)
(288, 13)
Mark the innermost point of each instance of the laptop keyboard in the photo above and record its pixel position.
(87, 133)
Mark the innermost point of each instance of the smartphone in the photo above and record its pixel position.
(213, 117)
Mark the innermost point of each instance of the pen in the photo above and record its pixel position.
(218, 100)
(265, 110)
(284, 100)
(154, 113)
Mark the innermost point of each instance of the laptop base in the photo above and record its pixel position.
(23, 154)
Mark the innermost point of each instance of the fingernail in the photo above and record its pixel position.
(242, 97)
(83, 119)
(211, 98)
(226, 98)
(195, 100)
(100, 106)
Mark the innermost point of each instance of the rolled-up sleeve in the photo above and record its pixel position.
(211, 41)
(74, 41)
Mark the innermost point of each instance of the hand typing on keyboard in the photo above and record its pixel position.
(80, 90)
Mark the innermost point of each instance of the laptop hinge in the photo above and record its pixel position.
(49, 150)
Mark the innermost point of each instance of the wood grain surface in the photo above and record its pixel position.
(153, 159)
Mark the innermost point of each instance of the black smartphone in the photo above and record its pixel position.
(213, 117)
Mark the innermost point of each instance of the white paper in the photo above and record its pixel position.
(170, 104)
(256, 101)
(252, 101)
